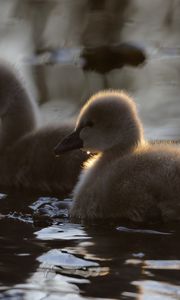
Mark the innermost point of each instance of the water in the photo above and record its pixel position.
(61, 260)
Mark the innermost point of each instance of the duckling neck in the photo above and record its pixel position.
(127, 143)
(120, 150)
(18, 117)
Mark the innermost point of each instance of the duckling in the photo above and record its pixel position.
(27, 161)
(128, 178)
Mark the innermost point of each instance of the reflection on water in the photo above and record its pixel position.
(150, 289)
(62, 231)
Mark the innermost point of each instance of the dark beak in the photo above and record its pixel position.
(69, 143)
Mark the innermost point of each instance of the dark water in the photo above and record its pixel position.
(44, 256)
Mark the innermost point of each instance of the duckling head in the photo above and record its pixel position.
(107, 121)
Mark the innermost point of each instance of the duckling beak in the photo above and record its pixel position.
(70, 142)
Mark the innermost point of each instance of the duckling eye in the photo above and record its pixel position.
(90, 124)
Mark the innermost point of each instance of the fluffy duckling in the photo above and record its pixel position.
(26, 157)
(128, 178)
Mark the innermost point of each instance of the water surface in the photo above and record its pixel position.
(56, 259)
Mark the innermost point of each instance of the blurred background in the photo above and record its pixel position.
(65, 50)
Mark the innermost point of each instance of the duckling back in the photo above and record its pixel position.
(143, 186)
(30, 164)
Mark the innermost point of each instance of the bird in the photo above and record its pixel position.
(27, 161)
(127, 177)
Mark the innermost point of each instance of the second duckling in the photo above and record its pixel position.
(27, 161)
(128, 178)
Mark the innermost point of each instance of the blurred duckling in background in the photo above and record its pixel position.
(26, 157)
(128, 178)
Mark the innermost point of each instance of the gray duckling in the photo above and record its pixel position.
(27, 161)
(128, 177)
